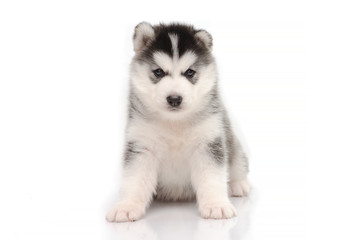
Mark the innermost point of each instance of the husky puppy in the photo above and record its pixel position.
(179, 142)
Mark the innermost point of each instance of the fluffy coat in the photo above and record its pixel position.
(179, 141)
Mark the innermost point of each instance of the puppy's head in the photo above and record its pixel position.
(173, 71)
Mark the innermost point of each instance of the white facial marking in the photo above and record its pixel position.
(163, 61)
(174, 44)
(187, 60)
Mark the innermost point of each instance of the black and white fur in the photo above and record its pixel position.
(179, 142)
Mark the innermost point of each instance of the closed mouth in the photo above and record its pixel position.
(174, 109)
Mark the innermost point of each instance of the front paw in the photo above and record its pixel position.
(219, 210)
(126, 212)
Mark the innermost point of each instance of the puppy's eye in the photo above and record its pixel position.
(159, 73)
(189, 73)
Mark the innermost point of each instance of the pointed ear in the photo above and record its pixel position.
(204, 38)
(143, 34)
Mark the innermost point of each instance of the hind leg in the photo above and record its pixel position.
(238, 170)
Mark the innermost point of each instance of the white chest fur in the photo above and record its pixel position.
(173, 147)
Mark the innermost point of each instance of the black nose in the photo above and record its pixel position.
(174, 101)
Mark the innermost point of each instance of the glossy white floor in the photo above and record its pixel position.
(269, 218)
(72, 205)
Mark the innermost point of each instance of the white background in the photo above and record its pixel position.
(290, 73)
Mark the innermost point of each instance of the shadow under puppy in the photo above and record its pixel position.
(179, 142)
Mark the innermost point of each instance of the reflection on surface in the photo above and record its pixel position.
(181, 220)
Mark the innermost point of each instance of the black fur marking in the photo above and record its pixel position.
(214, 102)
(135, 107)
(155, 79)
(161, 43)
(130, 152)
(217, 150)
(186, 42)
(230, 143)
